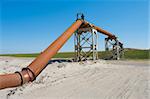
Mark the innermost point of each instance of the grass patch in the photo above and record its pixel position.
(128, 54)
(137, 54)
(64, 55)
(21, 55)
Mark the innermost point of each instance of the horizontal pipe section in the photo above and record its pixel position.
(33, 70)
(100, 30)
(111, 36)
(9, 80)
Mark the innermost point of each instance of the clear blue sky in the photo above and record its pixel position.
(29, 26)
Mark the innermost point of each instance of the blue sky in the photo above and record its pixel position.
(29, 26)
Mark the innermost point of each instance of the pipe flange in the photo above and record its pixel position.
(28, 69)
(20, 77)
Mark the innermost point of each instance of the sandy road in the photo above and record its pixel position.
(87, 80)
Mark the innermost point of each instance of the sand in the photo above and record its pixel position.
(85, 80)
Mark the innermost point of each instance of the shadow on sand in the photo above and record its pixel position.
(59, 61)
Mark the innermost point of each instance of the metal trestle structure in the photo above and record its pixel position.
(115, 47)
(86, 44)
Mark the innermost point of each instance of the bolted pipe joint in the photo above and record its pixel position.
(26, 75)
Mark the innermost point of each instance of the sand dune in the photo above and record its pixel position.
(85, 80)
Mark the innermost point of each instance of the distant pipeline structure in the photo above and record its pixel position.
(85, 36)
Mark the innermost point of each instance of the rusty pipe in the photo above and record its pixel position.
(111, 36)
(100, 30)
(33, 70)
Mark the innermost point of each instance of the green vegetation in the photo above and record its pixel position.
(21, 55)
(136, 54)
(128, 54)
(58, 55)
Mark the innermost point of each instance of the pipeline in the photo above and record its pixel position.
(100, 30)
(111, 36)
(33, 70)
